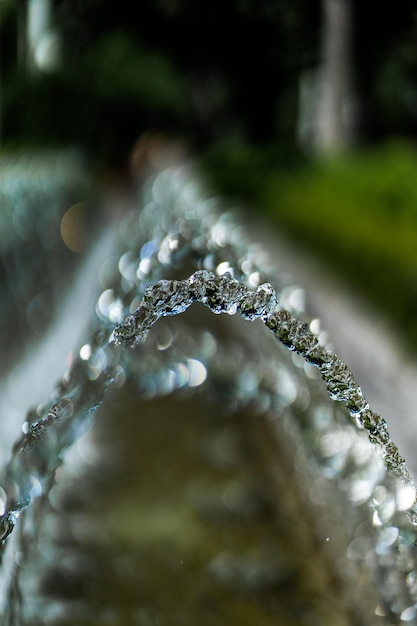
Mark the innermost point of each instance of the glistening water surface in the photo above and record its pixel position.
(219, 481)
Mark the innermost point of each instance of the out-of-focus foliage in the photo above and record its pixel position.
(359, 215)
(385, 67)
(101, 105)
(200, 70)
(240, 169)
(204, 70)
(226, 77)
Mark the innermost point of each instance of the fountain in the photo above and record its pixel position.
(173, 425)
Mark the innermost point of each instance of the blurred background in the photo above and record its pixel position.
(304, 113)
(306, 110)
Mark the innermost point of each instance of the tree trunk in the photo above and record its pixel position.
(330, 94)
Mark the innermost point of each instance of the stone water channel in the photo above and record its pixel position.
(217, 483)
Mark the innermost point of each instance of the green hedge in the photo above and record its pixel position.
(359, 215)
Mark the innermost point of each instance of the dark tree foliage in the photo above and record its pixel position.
(385, 62)
(205, 69)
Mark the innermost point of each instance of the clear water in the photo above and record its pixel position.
(179, 247)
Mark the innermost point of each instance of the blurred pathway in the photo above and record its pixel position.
(31, 380)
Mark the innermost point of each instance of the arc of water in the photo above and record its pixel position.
(213, 241)
(224, 294)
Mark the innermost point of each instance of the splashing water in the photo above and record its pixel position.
(223, 294)
(181, 232)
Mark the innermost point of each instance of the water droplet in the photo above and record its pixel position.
(144, 268)
(387, 508)
(148, 249)
(254, 279)
(85, 352)
(110, 307)
(387, 538)
(118, 376)
(181, 373)
(380, 611)
(96, 364)
(379, 495)
(72, 229)
(3, 500)
(376, 520)
(360, 491)
(296, 300)
(224, 267)
(127, 266)
(405, 496)
(408, 614)
(359, 548)
(197, 373)
(259, 303)
(315, 326)
(165, 338)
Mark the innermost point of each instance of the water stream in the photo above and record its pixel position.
(179, 247)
